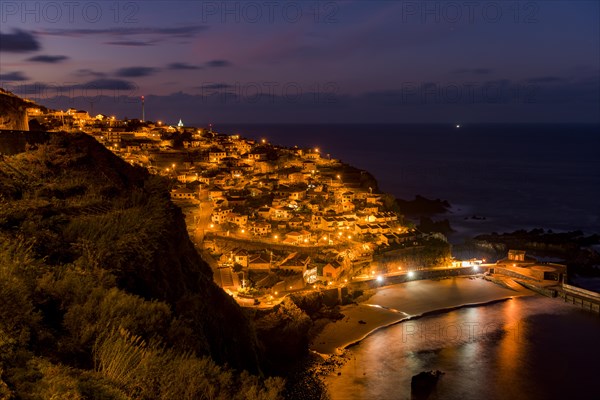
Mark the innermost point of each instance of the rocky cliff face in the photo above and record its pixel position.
(83, 212)
(13, 112)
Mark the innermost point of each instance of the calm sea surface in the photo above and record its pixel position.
(526, 348)
(516, 176)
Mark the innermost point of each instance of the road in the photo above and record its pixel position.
(202, 219)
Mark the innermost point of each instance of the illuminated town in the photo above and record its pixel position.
(254, 208)
(299, 200)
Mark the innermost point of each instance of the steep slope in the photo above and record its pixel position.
(90, 246)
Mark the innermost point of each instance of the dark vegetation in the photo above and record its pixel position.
(286, 334)
(428, 253)
(427, 225)
(422, 206)
(102, 294)
(422, 209)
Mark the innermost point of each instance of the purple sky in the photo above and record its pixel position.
(308, 61)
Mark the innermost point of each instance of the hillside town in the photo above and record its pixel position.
(267, 219)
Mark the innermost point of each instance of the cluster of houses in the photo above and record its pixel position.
(322, 268)
(293, 197)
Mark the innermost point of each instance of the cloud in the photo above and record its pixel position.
(94, 88)
(183, 66)
(18, 42)
(48, 59)
(132, 43)
(547, 79)
(107, 84)
(89, 72)
(13, 77)
(218, 63)
(135, 72)
(214, 86)
(177, 32)
(473, 71)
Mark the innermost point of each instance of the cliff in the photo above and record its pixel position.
(13, 112)
(94, 257)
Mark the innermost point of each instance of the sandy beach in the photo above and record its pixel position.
(392, 304)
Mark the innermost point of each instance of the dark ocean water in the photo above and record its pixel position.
(516, 176)
(527, 348)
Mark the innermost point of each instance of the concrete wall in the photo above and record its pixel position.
(417, 275)
(548, 292)
(14, 142)
(581, 292)
(580, 301)
(514, 274)
(13, 113)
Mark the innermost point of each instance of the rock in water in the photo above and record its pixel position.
(422, 384)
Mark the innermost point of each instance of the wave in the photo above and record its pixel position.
(419, 316)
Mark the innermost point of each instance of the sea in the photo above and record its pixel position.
(526, 348)
(497, 177)
(509, 177)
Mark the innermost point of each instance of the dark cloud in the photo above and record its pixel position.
(218, 63)
(547, 79)
(183, 66)
(132, 43)
(177, 32)
(214, 86)
(473, 71)
(48, 59)
(498, 82)
(90, 89)
(89, 72)
(13, 77)
(18, 42)
(106, 84)
(583, 91)
(135, 72)
(427, 102)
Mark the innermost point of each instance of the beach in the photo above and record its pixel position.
(392, 304)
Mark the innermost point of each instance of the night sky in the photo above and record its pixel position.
(308, 61)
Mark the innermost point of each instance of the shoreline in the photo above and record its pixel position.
(425, 314)
(338, 336)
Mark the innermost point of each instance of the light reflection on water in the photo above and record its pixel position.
(524, 348)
